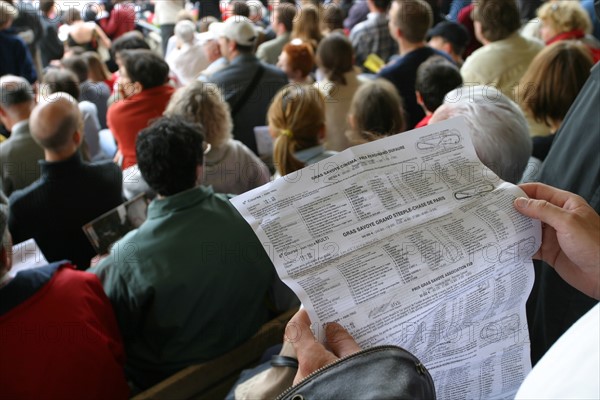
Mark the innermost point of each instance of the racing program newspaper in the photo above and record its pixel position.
(411, 241)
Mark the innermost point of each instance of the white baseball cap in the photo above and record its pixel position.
(237, 28)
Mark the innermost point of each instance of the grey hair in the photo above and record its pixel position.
(185, 30)
(498, 128)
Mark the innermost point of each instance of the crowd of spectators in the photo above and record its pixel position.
(92, 113)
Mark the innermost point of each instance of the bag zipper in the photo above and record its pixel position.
(420, 366)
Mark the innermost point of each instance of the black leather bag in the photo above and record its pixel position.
(382, 372)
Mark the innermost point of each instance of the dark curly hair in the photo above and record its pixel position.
(168, 152)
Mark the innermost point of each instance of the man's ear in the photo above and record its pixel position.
(351, 121)
(447, 48)
(419, 98)
(77, 138)
(321, 133)
(137, 87)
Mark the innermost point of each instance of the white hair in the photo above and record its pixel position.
(499, 130)
(185, 31)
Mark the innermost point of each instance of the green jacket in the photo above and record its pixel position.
(188, 285)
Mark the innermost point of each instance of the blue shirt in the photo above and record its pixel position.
(403, 73)
(15, 56)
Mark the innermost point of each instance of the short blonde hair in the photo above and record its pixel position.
(203, 103)
(296, 115)
(565, 16)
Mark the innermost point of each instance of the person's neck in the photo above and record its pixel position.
(17, 114)
(233, 55)
(59, 155)
(406, 47)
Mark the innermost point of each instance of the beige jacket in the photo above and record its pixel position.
(337, 104)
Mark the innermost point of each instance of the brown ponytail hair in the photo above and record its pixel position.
(295, 117)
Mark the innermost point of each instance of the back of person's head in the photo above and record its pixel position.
(333, 17)
(60, 80)
(129, 41)
(97, 71)
(565, 16)
(239, 7)
(300, 56)
(376, 111)
(145, 67)
(169, 153)
(285, 15)
(335, 57)
(203, 103)
(436, 77)
(71, 15)
(498, 18)
(498, 128)
(8, 13)
(15, 90)
(55, 121)
(382, 5)
(296, 117)
(308, 25)
(241, 31)
(46, 6)
(185, 15)
(413, 18)
(453, 33)
(554, 79)
(78, 65)
(205, 22)
(185, 31)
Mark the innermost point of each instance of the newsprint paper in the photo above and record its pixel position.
(411, 241)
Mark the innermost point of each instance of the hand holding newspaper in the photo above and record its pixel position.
(411, 241)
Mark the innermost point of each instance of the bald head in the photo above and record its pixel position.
(55, 123)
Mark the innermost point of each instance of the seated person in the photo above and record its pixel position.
(230, 166)
(60, 339)
(297, 61)
(551, 84)
(187, 60)
(144, 93)
(498, 128)
(297, 124)
(376, 112)
(190, 283)
(69, 193)
(335, 59)
(451, 38)
(19, 155)
(435, 78)
(567, 20)
(65, 81)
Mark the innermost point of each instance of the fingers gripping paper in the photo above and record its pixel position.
(411, 241)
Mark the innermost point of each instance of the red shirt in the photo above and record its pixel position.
(424, 121)
(126, 118)
(121, 20)
(62, 342)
